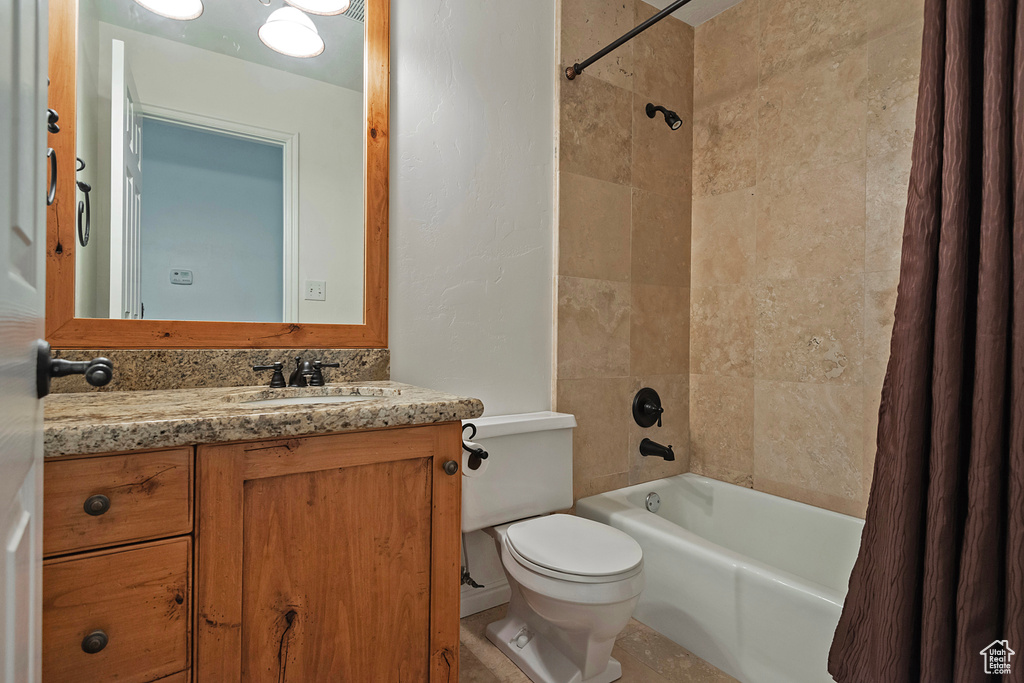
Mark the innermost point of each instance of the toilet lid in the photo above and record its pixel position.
(574, 545)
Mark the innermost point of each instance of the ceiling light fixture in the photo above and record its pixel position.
(291, 33)
(182, 10)
(326, 8)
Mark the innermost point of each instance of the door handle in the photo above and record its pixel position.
(98, 371)
(51, 193)
(51, 126)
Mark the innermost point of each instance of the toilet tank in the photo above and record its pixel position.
(528, 471)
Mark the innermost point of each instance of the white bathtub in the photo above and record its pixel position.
(747, 581)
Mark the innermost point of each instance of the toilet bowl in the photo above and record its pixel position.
(574, 585)
(573, 582)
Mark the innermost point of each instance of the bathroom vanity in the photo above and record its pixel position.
(209, 535)
(229, 534)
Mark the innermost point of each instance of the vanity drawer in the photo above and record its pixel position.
(139, 599)
(135, 497)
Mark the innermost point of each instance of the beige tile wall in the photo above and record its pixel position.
(803, 123)
(624, 241)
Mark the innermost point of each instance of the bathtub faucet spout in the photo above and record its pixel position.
(648, 447)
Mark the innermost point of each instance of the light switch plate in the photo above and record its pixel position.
(181, 277)
(316, 290)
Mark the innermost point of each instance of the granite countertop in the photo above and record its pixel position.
(133, 420)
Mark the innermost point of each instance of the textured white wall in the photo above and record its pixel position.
(472, 196)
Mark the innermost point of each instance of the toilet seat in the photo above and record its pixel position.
(574, 549)
(570, 578)
(602, 591)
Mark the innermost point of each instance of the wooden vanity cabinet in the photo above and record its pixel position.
(329, 558)
(319, 558)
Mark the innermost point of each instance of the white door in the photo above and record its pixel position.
(125, 189)
(23, 31)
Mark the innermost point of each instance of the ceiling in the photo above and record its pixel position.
(696, 12)
(230, 27)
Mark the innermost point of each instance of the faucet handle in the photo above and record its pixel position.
(651, 408)
(317, 380)
(647, 407)
(277, 380)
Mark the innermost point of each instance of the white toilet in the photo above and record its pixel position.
(574, 582)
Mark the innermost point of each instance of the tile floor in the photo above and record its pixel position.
(646, 656)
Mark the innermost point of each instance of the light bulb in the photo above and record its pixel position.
(322, 7)
(291, 33)
(182, 10)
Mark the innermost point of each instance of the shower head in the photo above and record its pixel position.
(671, 118)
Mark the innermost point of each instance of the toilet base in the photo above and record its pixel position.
(538, 658)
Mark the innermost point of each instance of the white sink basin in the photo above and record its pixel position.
(303, 400)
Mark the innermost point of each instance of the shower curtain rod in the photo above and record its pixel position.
(575, 70)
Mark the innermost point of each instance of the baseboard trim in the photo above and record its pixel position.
(473, 600)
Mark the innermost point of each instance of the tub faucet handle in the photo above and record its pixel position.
(651, 408)
(647, 407)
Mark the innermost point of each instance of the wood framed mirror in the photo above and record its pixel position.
(303, 280)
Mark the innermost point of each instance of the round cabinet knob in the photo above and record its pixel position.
(96, 505)
(94, 642)
(451, 467)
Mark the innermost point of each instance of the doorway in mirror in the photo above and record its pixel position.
(219, 255)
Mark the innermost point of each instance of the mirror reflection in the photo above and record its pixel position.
(221, 160)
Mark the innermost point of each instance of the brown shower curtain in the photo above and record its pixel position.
(941, 568)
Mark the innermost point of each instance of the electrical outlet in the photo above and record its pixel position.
(316, 290)
(181, 277)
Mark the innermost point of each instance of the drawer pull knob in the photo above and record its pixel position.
(451, 467)
(94, 642)
(96, 505)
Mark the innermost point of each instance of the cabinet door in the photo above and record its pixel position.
(329, 558)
